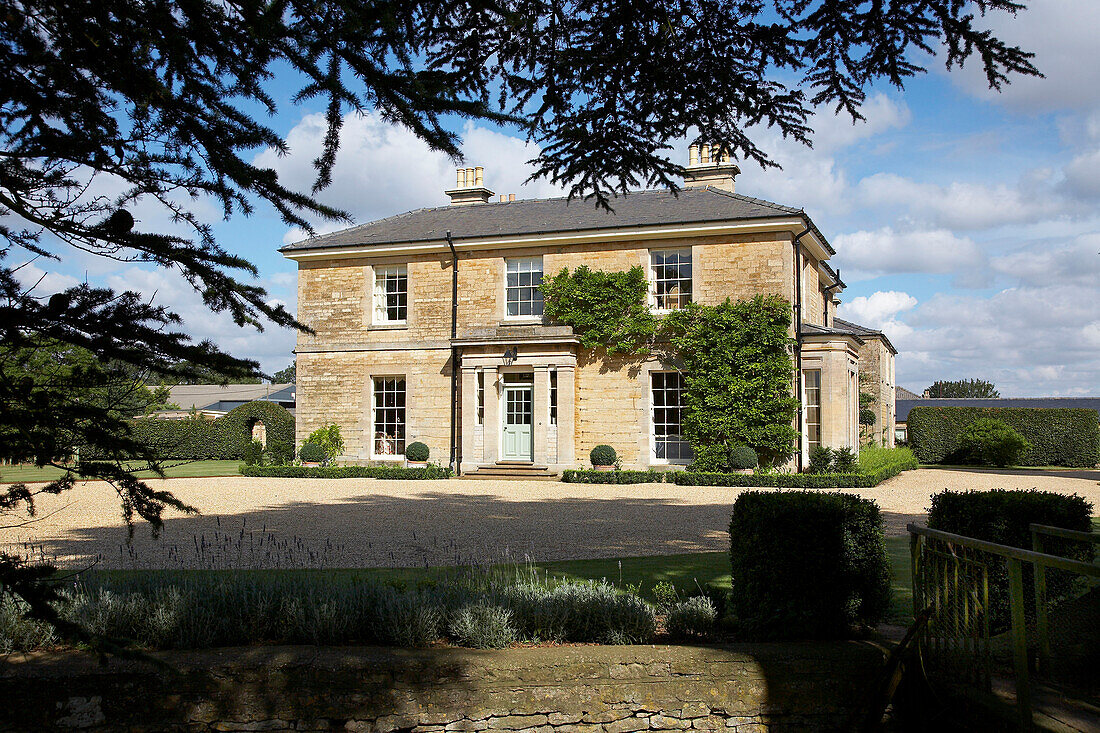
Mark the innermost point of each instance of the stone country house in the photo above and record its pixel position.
(400, 302)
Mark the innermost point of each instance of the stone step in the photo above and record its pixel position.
(508, 470)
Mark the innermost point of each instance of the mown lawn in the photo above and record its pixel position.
(189, 469)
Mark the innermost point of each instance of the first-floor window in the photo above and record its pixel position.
(389, 416)
(812, 378)
(668, 409)
(522, 288)
(391, 294)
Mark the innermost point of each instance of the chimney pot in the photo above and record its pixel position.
(693, 155)
(511, 197)
(470, 188)
(714, 168)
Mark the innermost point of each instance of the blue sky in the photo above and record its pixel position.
(966, 222)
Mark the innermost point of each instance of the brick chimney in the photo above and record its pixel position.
(470, 188)
(707, 167)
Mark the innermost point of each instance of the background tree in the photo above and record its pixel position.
(286, 375)
(962, 388)
(108, 104)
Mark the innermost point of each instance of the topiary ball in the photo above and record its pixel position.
(416, 452)
(603, 455)
(743, 457)
(311, 453)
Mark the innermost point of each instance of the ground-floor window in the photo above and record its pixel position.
(553, 398)
(666, 417)
(481, 398)
(812, 411)
(389, 416)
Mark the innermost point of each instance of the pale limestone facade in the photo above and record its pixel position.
(575, 399)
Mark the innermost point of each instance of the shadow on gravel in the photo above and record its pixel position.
(425, 528)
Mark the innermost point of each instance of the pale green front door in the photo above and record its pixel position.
(518, 429)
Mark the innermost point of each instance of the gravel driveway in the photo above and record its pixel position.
(368, 523)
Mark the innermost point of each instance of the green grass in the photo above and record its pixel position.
(874, 458)
(190, 469)
(643, 573)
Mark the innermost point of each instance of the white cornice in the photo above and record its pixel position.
(792, 224)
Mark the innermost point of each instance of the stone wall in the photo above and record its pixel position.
(764, 687)
(877, 361)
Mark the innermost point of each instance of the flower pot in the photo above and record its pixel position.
(416, 464)
(604, 468)
(310, 464)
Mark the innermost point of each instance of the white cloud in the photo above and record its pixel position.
(383, 169)
(1030, 340)
(41, 282)
(1043, 262)
(272, 348)
(811, 177)
(965, 206)
(878, 308)
(868, 254)
(1062, 34)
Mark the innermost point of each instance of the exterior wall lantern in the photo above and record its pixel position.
(510, 356)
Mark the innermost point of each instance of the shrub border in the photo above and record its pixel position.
(792, 480)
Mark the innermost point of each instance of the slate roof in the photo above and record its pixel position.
(812, 329)
(202, 396)
(557, 215)
(862, 331)
(901, 393)
(903, 407)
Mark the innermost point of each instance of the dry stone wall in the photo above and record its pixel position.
(758, 688)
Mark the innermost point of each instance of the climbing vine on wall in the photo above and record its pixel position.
(737, 364)
(737, 371)
(605, 309)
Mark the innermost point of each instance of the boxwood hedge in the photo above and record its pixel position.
(571, 476)
(387, 472)
(1004, 517)
(807, 564)
(1059, 436)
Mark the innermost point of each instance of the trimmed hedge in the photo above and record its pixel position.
(233, 430)
(806, 564)
(190, 439)
(791, 480)
(386, 472)
(571, 476)
(1059, 436)
(1003, 517)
